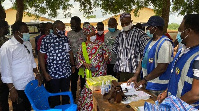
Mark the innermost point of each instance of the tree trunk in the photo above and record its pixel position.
(2, 12)
(20, 10)
(165, 13)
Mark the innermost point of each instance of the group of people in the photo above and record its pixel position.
(145, 57)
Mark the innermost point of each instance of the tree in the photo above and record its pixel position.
(161, 7)
(41, 7)
(173, 26)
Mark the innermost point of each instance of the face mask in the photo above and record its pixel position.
(127, 28)
(178, 37)
(100, 32)
(60, 33)
(26, 36)
(149, 34)
(50, 30)
(111, 29)
(93, 38)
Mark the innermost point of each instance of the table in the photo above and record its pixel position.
(100, 104)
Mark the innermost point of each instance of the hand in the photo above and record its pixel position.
(132, 79)
(73, 69)
(38, 77)
(47, 76)
(106, 57)
(88, 66)
(162, 96)
(14, 95)
(142, 82)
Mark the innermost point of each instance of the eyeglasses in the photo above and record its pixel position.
(26, 49)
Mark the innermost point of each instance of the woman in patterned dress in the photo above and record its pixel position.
(98, 57)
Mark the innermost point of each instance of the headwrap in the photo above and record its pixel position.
(87, 29)
(125, 15)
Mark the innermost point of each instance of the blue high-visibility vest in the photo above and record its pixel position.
(161, 82)
(182, 74)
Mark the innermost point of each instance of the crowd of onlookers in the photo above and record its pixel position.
(140, 53)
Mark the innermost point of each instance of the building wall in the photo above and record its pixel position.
(143, 16)
(11, 17)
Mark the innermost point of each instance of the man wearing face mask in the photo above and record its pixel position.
(3, 87)
(184, 80)
(76, 37)
(18, 66)
(100, 31)
(110, 37)
(158, 54)
(128, 47)
(48, 29)
(59, 60)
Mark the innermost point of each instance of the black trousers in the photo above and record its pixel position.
(74, 79)
(59, 85)
(110, 70)
(23, 102)
(4, 91)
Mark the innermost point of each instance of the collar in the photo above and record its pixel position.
(14, 40)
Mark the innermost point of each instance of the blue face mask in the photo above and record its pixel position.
(149, 34)
(50, 30)
(111, 29)
(178, 37)
(26, 36)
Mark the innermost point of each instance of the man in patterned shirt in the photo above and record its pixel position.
(59, 53)
(128, 47)
(3, 86)
(110, 37)
(76, 37)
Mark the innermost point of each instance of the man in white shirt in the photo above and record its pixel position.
(18, 66)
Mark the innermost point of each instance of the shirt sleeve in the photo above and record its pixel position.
(44, 45)
(196, 68)
(165, 53)
(80, 58)
(69, 44)
(143, 38)
(115, 45)
(6, 63)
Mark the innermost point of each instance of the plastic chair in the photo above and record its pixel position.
(38, 97)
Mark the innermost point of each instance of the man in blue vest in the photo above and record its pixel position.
(184, 79)
(157, 56)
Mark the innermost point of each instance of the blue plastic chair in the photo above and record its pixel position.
(38, 97)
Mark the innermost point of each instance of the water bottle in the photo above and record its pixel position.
(106, 87)
(102, 88)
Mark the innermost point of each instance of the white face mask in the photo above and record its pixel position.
(100, 32)
(127, 28)
(93, 38)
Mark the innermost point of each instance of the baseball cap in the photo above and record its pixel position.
(155, 21)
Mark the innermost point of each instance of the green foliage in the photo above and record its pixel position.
(50, 7)
(173, 26)
(119, 6)
(185, 6)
